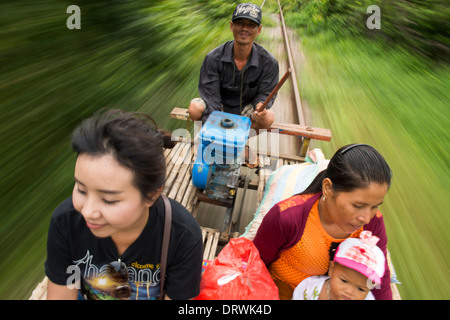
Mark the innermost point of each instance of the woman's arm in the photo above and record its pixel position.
(282, 227)
(269, 238)
(376, 225)
(59, 292)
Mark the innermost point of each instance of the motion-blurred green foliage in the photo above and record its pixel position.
(388, 88)
(135, 55)
(419, 25)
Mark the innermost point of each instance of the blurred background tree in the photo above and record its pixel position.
(134, 55)
(419, 25)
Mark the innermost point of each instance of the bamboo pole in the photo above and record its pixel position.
(182, 170)
(280, 163)
(167, 152)
(264, 173)
(192, 204)
(189, 190)
(184, 185)
(175, 166)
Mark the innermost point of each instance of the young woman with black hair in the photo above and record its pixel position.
(106, 239)
(298, 236)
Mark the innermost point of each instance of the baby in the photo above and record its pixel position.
(357, 266)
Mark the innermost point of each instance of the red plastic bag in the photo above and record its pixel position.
(238, 273)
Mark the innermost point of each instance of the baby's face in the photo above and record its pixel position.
(346, 283)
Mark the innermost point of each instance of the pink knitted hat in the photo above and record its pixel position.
(362, 255)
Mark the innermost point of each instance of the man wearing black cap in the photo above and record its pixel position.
(239, 75)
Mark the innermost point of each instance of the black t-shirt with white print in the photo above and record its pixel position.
(73, 250)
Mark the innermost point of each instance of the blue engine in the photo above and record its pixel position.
(220, 154)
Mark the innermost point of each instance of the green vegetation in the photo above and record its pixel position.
(419, 25)
(396, 98)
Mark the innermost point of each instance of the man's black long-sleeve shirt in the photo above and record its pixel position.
(220, 80)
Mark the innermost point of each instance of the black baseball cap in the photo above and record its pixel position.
(247, 11)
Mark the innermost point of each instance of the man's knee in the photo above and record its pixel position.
(196, 109)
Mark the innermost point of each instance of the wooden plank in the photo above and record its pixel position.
(184, 185)
(212, 252)
(304, 147)
(171, 158)
(180, 181)
(394, 288)
(264, 173)
(180, 164)
(302, 131)
(282, 156)
(188, 194)
(207, 247)
(252, 185)
(179, 113)
(203, 234)
(193, 204)
(210, 242)
(280, 163)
